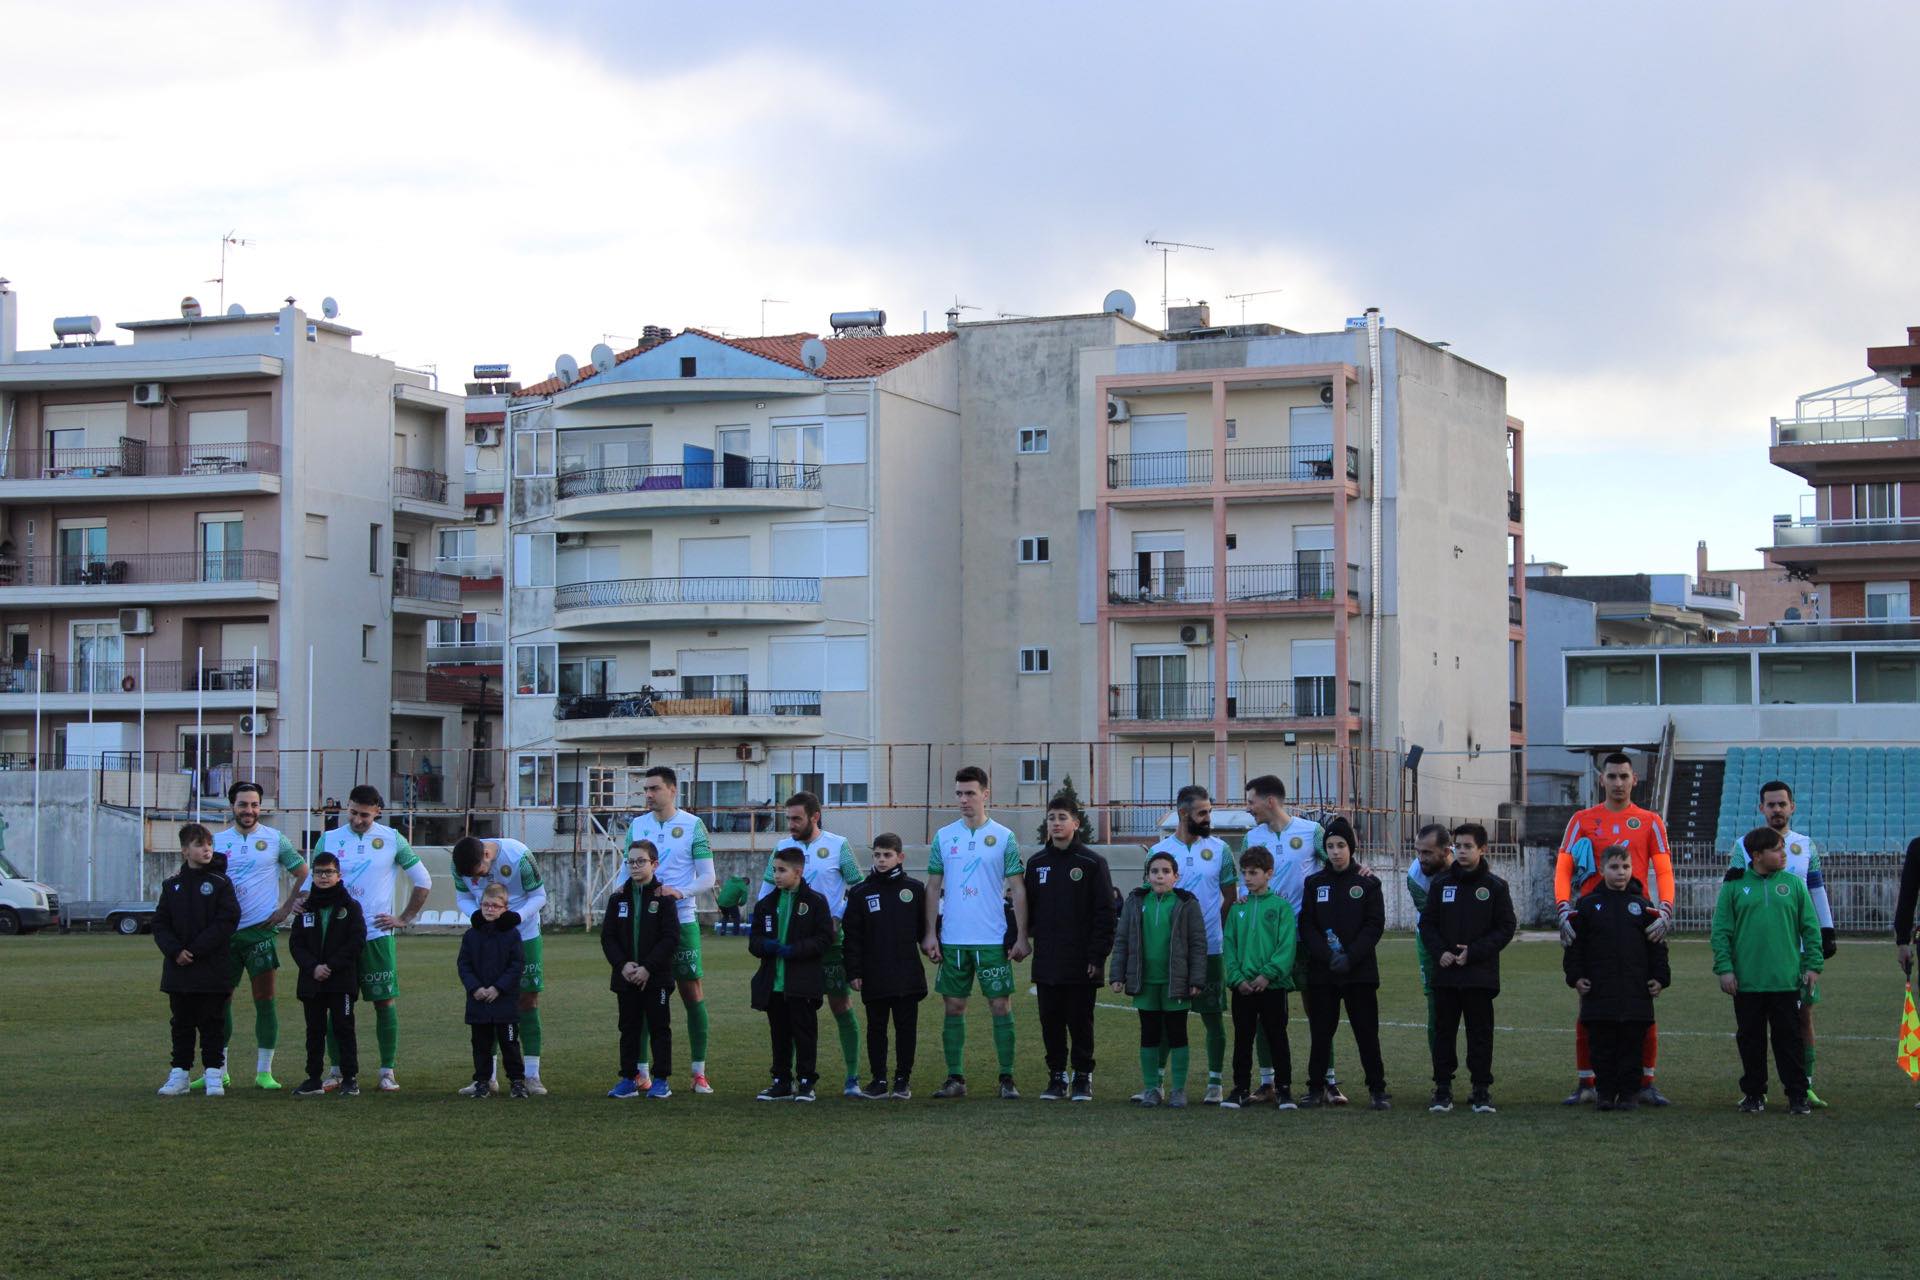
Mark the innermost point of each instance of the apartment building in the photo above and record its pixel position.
(700, 549)
(192, 511)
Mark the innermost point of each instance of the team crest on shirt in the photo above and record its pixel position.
(678, 832)
(1633, 908)
(1780, 889)
(653, 907)
(1075, 874)
(206, 888)
(506, 871)
(802, 909)
(1295, 842)
(992, 840)
(1482, 893)
(1633, 824)
(906, 895)
(379, 841)
(261, 846)
(822, 854)
(1206, 855)
(1797, 847)
(1355, 892)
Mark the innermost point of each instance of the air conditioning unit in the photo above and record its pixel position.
(750, 753)
(485, 436)
(486, 515)
(569, 539)
(149, 394)
(254, 726)
(1196, 633)
(136, 622)
(1117, 410)
(563, 822)
(636, 759)
(1326, 393)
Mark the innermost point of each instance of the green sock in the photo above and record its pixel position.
(697, 1032)
(530, 1031)
(1216, 1044)
(1260, 1053)
(1179, 1066)
(1003, 1041)
(1433, 1038)
(849, 1040)
(1809, 1066)
(1150, 1068)
(266, 1024)
(386, 1026)
(953, 1038)
(333, 1045)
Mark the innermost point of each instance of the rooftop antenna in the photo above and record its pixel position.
(1241, 298)
(953, 312)
(1167, 248)
(228, 239)
(778, 302)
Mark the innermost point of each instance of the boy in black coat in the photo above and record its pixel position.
(791, 929)
(1467, 922)
(1070, 917)
(1617, 972)
(638, 937)
(193, 925)
(880, 936)
(491, 962)
(328, 932)
(1345, 967)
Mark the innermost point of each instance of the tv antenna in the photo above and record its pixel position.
(1166, 249)
(778, 302)
(229, 239)
(1241, 298)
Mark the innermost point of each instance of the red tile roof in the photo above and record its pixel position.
(485, 419)
(846, 357)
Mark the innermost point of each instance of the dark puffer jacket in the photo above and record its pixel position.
(197, 913)
(1611, 951)
(491, 956)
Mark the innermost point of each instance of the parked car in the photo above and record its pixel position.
(25, 905)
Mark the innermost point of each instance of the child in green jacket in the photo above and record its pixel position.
(1261, 937)
(1766, 949)
(732, 896)
(1160, 959)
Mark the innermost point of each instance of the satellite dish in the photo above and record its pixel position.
(567, 369)
(813, 354)
(1119, 300)
(602, 357)
(235, 309)
(329, 308)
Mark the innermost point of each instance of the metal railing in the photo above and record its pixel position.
(658, 591)
(1301, 698)
(1246, 584)
(1286, 463)
(1828, 533)
(419, 485)
(652, 702)
(469, 566)
(162, 568)
(494, 481)
(432, 686)
(418, 584)
(54, 676)
(1169, 470)
(1861, 888)
(742, 473)
(466, 653)
(1720, 588)
(138, 458)
(1850, 630)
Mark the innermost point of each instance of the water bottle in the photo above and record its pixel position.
(1333, 944)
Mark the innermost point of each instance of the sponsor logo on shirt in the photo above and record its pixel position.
(623, 910)
(306, 919)
(1043, 874)
(873, 900)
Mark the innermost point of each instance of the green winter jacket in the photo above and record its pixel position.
(1765, 932)
(733, 893)
(1260, 940)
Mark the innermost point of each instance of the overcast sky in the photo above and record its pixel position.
(1661, 222)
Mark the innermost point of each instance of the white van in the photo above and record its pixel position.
(25, 905)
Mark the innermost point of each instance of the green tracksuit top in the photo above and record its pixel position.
(1262, 935)
(1765, 932)
(1156, 937)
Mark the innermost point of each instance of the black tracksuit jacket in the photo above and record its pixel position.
(197, 912)
(880, 936)
(1473, 907)
(640, 927)
(809, 933)
(329, 929)
(1071, 914)
(1356, 918)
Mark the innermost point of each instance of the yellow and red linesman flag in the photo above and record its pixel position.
(1907, 1052)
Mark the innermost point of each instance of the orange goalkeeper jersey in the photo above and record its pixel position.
(1639, 829)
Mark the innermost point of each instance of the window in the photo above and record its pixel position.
(602, 448)
(1889, 601)
(373, 548)
(1033, 440)
(689, 366)
(846, 793)
(799, 442)
(220, 547)
(532, 453)
(83, 551)
(600, 781)
(316, 537)
(1034, 550)
(208, 752)
(533, 781)
(369, 638)
(1233, 429)
(811, 549)
(830, 664)
(457, 543)
(719, 793)
(533, 670)
(785, 784)
(734, 440)
(1035, 662)
(846, 665)
(1035, 770)
(587, 677)
(1876, 501)
(1233, 542)
(532, 559)
(97, 654)
(217, 441)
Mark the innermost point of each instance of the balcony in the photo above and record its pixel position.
(1263, 465)
(433, 688)
(466, 653)
(1281, 702)
(425, 595)
(1844, 630)
(630, 602)
(760, 713)
(424, 494)
(1847, 432)
(1309, 582)
(484, 488)
(471, 570)
(168, 577)
(1514, 508)
(732, 484)
(235, 685)
(134, 470)
(1891, 546)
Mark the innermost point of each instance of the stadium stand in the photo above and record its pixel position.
(1848, 799)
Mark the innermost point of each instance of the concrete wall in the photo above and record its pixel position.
(74, 833)
(1554, 623)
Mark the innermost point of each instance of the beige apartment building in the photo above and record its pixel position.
(190, 511)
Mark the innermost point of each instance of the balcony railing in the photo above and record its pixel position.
(486, 481)
(652, 702)
(1301, 698)
(1720, 588)
(469, 566)
(421, 486)
(154, 568)
(722, 473)
(1844, 630)
(138, 458)
(465, 653)
(1169, 470)
(656, 591)
(53, 676)
(1246, 583)
(431, 686)
(418, 584)
(1833, 533)
(1287, 463)
(1848, 430)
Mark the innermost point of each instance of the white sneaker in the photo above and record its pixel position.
(466, 1090)
(216, 1084)
(330, 1081)
(535, 1088)
(1213, 1096)
(387, 1083)
(176, 1084)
